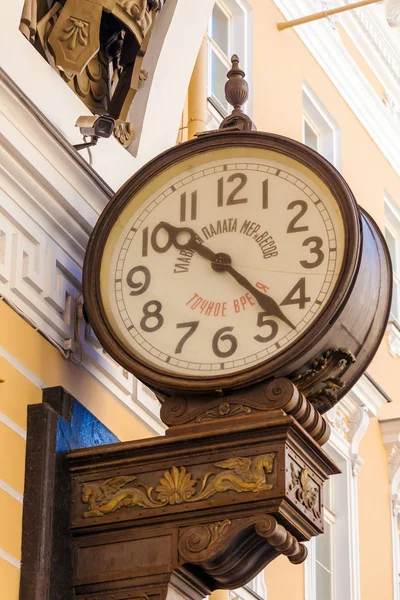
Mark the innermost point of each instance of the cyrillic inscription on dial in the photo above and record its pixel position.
(225, 265)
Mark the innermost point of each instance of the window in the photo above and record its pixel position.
(320, 131)
(228, 33)
(220, 27)
(324, 558)
(311, 135)
(392, 235)
(253, 590)
(331, 566)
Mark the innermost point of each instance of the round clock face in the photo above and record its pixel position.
(221, 262)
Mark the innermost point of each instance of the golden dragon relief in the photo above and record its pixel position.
(177, 486)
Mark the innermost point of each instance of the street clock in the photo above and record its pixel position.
(232, 258)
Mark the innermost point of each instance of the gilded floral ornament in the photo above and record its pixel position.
(198, 539)
(177, 486)
(304, 491)
(124, 132)
(226, 409)
(77, 33)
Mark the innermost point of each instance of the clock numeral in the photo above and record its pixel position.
(193, 325)
(297, 295)
(145, 241)
(261, 322)
(193, 206)
(231, 200)
(317, 241)
(265, 193)
(154, 240)
(141, 286)
(151, 311)
(292, 228)
(222, 336)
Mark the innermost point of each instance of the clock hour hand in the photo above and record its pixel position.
(222, 262)
(188, 240)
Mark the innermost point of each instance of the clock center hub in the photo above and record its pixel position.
(221, 262)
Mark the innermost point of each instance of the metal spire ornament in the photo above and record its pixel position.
(236, 93)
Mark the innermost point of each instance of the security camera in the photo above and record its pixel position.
(95, 127)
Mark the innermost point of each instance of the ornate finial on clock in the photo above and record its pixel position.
(236, 93)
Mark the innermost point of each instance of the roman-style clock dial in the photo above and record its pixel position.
(218, 263)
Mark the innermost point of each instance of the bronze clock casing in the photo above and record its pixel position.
(354, 317)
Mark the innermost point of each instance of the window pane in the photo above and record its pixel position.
(251, 585)
(218, 79)
(323, 583)
(391, 242)
(220, 29)
(328, 494)
(310, 136)
(394, 309)
(323, 547)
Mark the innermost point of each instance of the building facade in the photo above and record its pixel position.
(333, 84)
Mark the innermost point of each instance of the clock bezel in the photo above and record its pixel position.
(156, 376)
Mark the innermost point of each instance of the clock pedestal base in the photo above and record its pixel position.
(205, 507)
(189, 414)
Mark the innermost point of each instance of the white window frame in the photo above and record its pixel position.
(392, 223)
(239, 42)
(391, 439)
(345, 550)
(245, 593)
(322, 122)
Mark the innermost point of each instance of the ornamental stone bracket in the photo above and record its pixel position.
(357, 426)
(205, 507)
(391, 439)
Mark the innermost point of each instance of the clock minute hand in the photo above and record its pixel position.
(266, 302)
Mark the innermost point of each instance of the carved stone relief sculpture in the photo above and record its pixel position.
(97, 47)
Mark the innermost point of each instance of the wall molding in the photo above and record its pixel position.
(8, 489)
(45, 223)
(10, 559)
(13, 426)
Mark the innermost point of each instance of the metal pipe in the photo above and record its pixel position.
(324, 14)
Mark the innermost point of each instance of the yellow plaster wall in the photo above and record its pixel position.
(284, 581)
(9, 580)
(47, 364)
(374, 518)
(29, 350)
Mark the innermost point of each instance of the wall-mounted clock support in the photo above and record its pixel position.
(230, 487)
